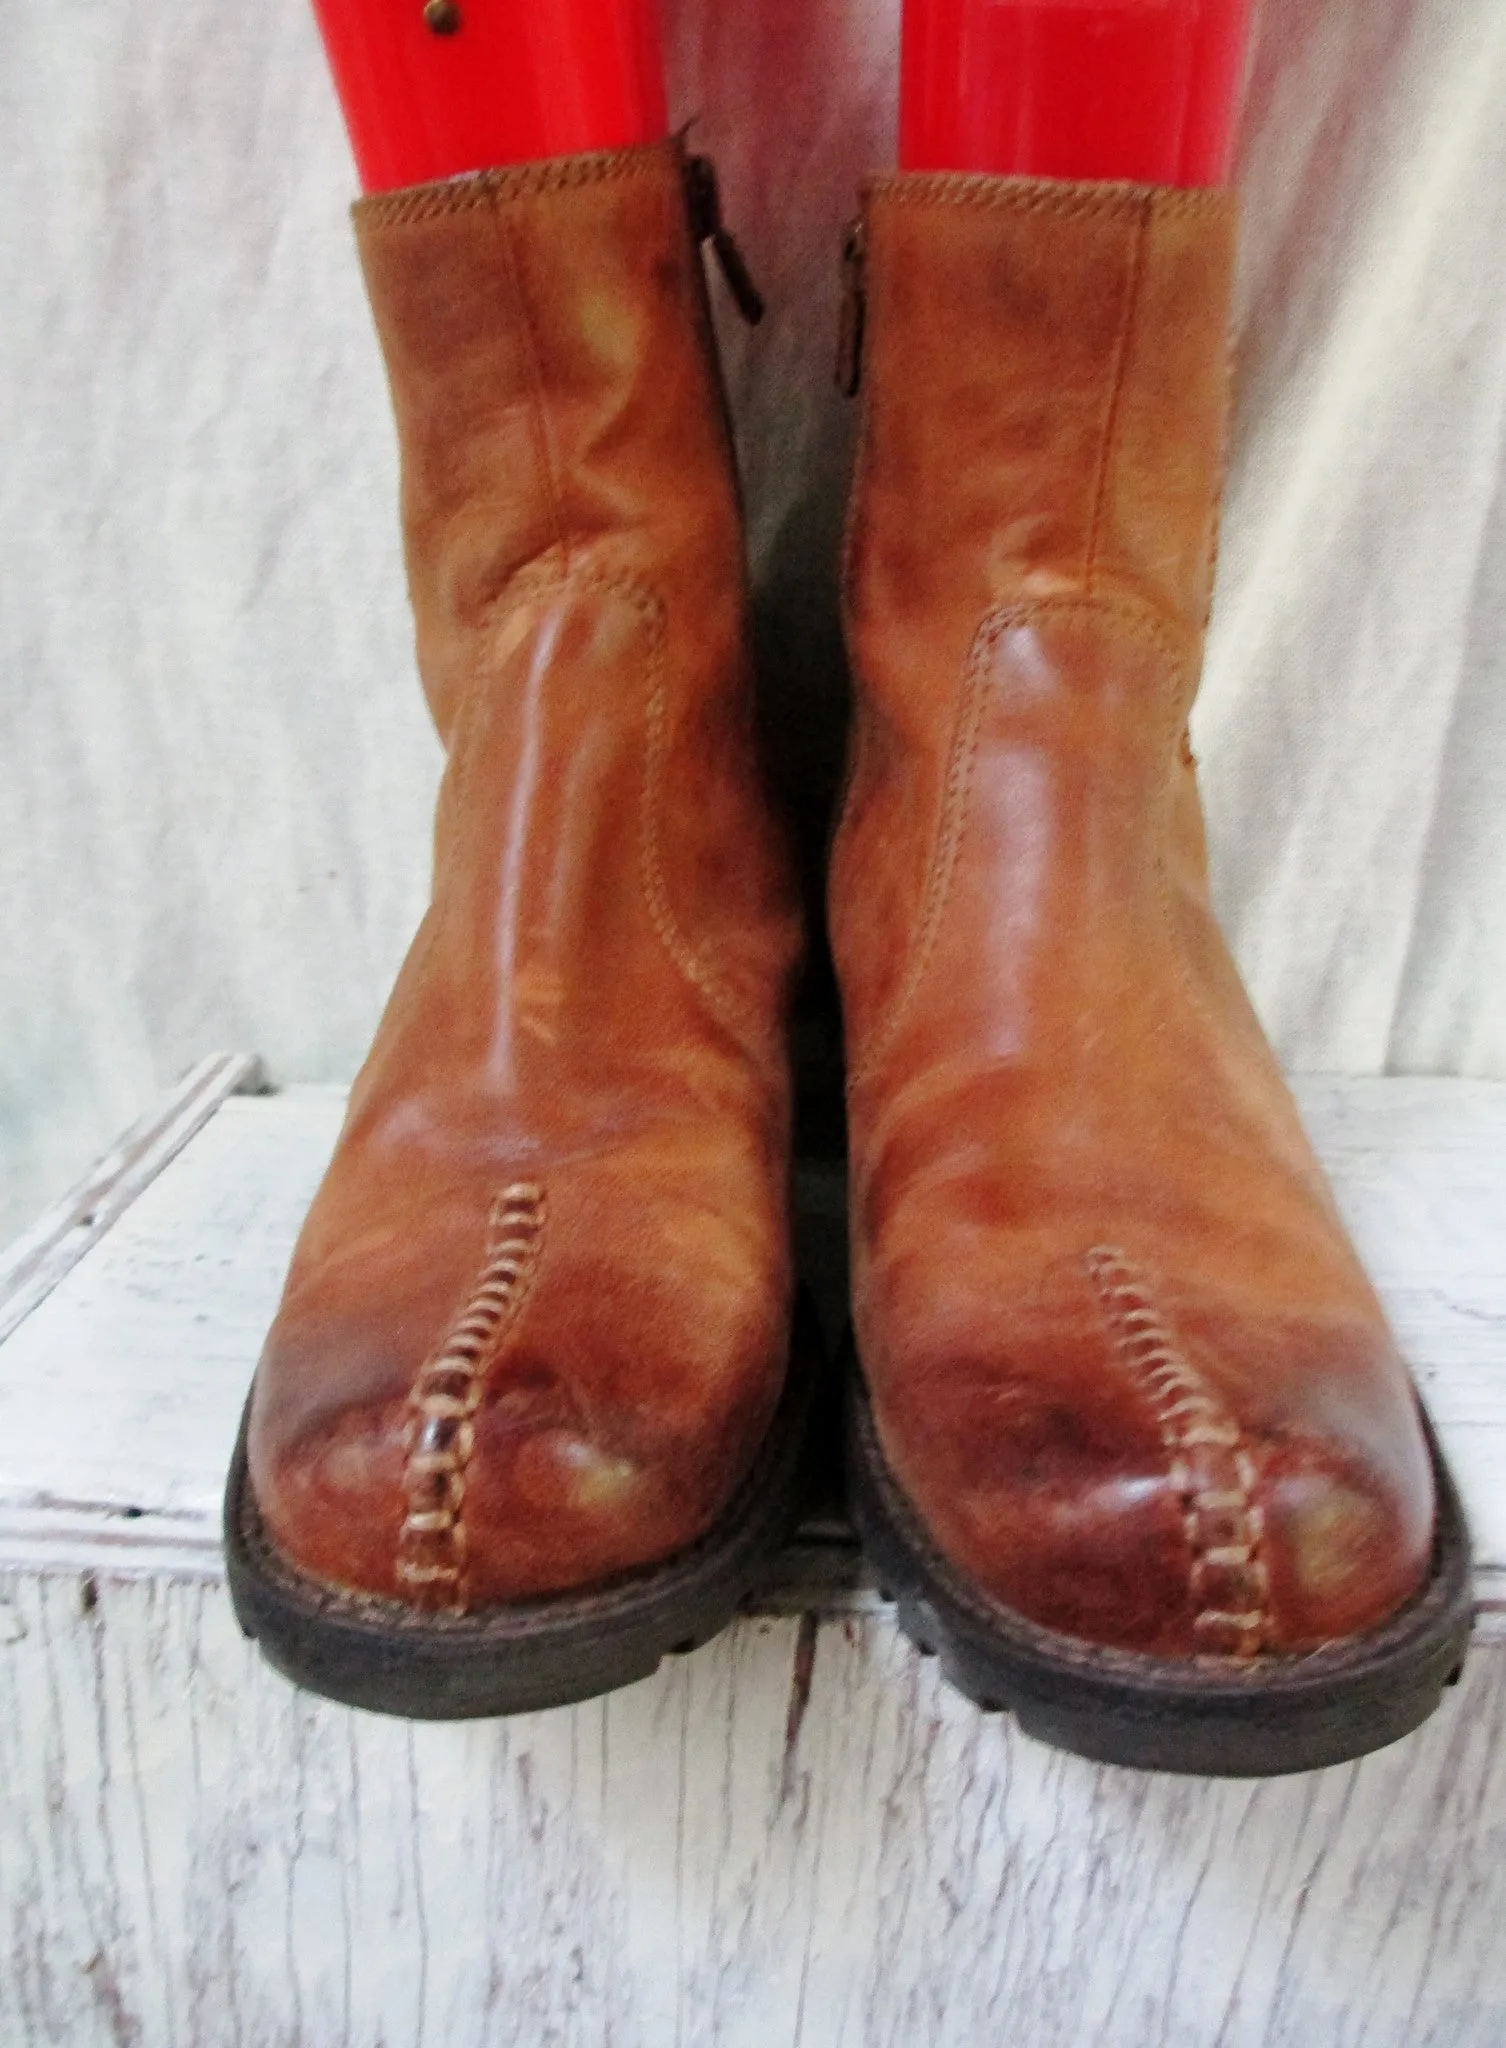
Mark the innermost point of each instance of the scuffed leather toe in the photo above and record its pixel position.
(331, 1501)
(564, 1416)
(1045, 1507)
(1145, 1499)
(1344, 1544)
(528, 1498)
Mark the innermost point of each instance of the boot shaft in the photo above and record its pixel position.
(1045, 374)
(1030, 557)
(554, 383)
(603, 850)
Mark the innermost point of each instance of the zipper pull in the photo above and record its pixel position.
(854, 309)
(708, 226)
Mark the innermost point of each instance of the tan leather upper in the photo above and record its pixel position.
(536, 1322)
(1123, 1359)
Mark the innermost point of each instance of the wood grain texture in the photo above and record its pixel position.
(37, 1260)
(192, 1855)
(155, 1336)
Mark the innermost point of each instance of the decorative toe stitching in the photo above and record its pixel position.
(1210, 1468)
(441, 1434)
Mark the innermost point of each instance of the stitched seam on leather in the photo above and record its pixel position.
(1139, 620)
(954, 801)
(1176, 734)
(722, 1000)
(651, 610)
(530, 586)
(542, 433)
(1139, 251)
(1211, 1468)
(522, 587)
(1144, 624)
(494, 188)
(441, 1435)
(991, 193)
(1136, 615)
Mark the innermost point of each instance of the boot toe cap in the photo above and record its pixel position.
(1069, 1506)
(513, 1505)
(605, 1433)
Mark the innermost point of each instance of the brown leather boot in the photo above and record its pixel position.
(523, 1422)
(1136, 1449)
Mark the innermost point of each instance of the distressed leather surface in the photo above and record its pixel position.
(1123, 1359)
(536, 1323)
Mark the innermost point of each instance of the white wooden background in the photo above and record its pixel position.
(795, 1835)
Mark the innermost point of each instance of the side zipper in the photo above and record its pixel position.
(707, 225)
(854, 308)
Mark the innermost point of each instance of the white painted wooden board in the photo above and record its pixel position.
(797, 1835)
(192, 1855)
(35, 1262)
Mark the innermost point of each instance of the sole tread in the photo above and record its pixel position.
(1148, 1713)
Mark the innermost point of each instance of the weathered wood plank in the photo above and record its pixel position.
(35, 1262)
(978, 1887)
(192, 1855)
(154, 1338)
(191, 1852)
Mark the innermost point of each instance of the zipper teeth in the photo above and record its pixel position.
(694, 176)
(701, 191)
(854, 260)
(854, 314)
(708, 225)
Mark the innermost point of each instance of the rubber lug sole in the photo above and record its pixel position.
(389, 1658)
(1202, 1719)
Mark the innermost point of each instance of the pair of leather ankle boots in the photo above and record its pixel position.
(1128, 1436)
